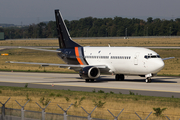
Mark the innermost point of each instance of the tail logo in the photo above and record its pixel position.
(80, 56)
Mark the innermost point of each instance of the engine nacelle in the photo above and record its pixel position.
(89, 72)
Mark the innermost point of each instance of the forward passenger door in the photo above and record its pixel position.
(136, 56)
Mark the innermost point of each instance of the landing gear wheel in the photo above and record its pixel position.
(119, 77)
(92, 80)
(87, 80)
(148, 80)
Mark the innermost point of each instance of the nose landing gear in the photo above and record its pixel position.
(148, 80)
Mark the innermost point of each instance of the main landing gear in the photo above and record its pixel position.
(119, 77)
(87, 80)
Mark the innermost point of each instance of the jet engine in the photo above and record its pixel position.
(89, 72)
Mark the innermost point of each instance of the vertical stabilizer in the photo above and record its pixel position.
(65, 40)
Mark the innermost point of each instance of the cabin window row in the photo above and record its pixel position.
(98, 57)
(120, 57)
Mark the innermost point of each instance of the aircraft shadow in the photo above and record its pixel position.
(164, 80)
(104, 80)
(155, 80)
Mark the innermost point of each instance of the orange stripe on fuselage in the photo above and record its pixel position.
(77, 56)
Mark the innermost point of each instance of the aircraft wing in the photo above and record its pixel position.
(70, 66)
(168, 58)
(57, 51)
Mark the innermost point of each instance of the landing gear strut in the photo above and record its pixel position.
(119, 77)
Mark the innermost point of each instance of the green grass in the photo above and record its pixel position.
(98, 42)
(21, 91)
(131, 103)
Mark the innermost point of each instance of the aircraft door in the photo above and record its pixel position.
(136, 56)
(99, 56)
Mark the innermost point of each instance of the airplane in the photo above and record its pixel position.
(91, 62)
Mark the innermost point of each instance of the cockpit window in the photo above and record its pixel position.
(151, 56)
(158, 56)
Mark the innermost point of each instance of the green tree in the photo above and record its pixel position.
(41, 30)
(149, 20)
(30, 31)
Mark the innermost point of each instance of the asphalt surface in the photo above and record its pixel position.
(160, 86)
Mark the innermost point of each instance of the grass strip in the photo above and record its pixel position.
(133, 102)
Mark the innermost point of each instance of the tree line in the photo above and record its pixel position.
(98, 27)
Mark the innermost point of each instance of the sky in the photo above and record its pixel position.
(27, 12)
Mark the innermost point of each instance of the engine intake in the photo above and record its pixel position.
(89, 72)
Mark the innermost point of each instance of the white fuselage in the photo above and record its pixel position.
(125, 60)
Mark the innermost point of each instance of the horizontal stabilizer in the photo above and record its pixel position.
(57, 51)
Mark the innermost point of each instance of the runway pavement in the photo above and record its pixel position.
(160, 86)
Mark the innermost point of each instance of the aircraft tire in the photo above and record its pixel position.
(87, 80)
(117, 77)
(92, 80)
(148, 80)
(121, 77)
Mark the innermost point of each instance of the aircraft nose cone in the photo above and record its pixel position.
(159, 65)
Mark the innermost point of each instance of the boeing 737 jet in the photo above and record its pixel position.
(91, 62)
